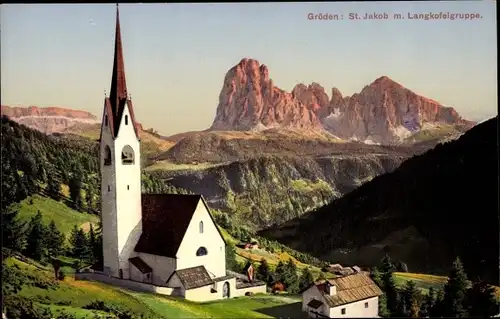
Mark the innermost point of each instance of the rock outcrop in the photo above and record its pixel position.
(383, 112)
(249, 100)
(49, 119)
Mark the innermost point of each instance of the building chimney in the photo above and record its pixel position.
(331, 289)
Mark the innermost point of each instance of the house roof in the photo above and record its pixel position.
(141, 265)
(165, 219)
(194, 277)
(315, 303)
(351, 288)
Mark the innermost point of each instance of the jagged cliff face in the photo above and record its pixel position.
(50, 119)
(383, 112)
(249, 100)
(270, 190)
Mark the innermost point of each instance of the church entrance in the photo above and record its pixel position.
(225, 290)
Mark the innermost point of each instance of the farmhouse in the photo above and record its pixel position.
(345, 296)
(164, 243)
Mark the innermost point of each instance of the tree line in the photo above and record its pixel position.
(33, 162)
(458, 298)
(45, 243)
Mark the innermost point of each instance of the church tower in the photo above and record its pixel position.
(120, 171)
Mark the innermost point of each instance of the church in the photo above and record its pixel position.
(164, 243)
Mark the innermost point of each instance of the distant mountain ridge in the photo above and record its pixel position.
(49, 119)
(383, 112)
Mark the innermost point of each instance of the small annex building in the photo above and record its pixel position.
(345, 296)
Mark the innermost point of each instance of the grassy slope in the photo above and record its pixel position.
(64, 217)
(71, 295)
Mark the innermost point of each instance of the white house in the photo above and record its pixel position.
(166, 243)
(348, 296)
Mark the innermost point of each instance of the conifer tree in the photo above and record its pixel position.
(79, 244)
(36, 240)
(306, 279)
(455, 291)
(437, 309)
(93, 245)
(290, 278)
(280, 271)
(410, 299)
(75, 191)
(263, 271)
(231, 262)
(428, 303)
(53, 188)
(13, 230)
(482, 300)
(55, 240)
(389, 286)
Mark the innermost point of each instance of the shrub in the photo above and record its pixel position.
(21, 307)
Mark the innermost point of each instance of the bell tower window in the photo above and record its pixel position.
(127, 155)
(107, 155)
(106, 120)
(126, 119)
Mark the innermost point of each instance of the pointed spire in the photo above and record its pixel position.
(118, 90)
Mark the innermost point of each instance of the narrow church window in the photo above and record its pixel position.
(202, 251)
(106, 120)
(121, 273)
(127, 155)
(342, 311)
(109, 188)
(201, 227)
(126, 119)
(107, 155)
(128, 187)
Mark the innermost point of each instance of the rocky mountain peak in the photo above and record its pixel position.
(383, 112)
(249, 100)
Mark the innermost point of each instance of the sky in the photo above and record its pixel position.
(176, 55)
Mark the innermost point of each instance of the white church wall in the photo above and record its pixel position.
(215, 260)
(163, 267)
(253, 290)
(108, 201)
(203, 294)
(129, 284)
(128, 191)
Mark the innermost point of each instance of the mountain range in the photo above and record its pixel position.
(383, 112)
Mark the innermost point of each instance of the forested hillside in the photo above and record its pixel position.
(434, 207)
(33, 162)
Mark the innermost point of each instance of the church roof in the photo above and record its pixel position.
(165, 219)
(194, 277)
(118, 98)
